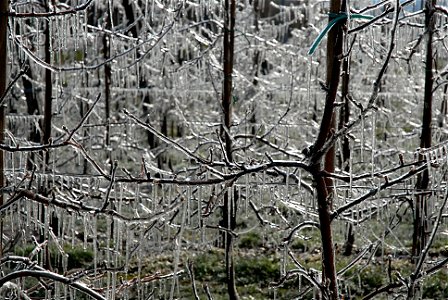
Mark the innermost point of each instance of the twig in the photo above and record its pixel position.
(418, 267)
(257, 213)
(190, 271)
(78, 206)
(374, 191)
(207, 291)
(301, 226)
(66, 141)
(220, 228)
(11, 84)
(355, 261)
(71, 11)
(165, 138)
(84, 118)
(109, 188)
(53, 276)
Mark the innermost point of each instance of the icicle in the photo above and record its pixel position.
(117, 230)
(28, 212)
(13, 217)
(72, 228)
(299, 186)
(60, 39)
(248, 195)
(72, 294)
(140, 258)
(114, 285)
(199, 209)
(350, 164)
(283, 267)
(86, 230)
(128, 240)
(57, 291)
(21, 160)
(154, 197)
(178, 245)
(373, 142)
(428, 161)
(362, 138)
(188, 204)
(36, 215)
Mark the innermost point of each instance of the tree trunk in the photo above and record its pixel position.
(344, 118)
(107, 84)
(4, 5)
(421, 206)
(32, 109)
(48, 102)
(229, 207)
(2, 164)
(323, 189)
(46, 126)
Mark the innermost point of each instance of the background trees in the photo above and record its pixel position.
(156, 133)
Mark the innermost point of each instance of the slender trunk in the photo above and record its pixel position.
(46, 126)
(230, 10)
(330, 162)
(48, 92)
(329, 276)
(2, 164)
(107, 83)
(131, 19)
(344, 118)
(229, 207)
(421, 206)
(323, 186)
(32, 109)
(256, 65)
(3, 79)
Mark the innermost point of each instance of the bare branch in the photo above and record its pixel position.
(53, 276)
(55, 13)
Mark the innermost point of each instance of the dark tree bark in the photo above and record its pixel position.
(229, 25)
(46, 135)
(131, 19)
(3, 79)
(421, 206)
(48, 101)
(323, 189)
(256, 65)
(32, 109)
(344, 118)
(2, 163)
(229, 207)
(107, 84)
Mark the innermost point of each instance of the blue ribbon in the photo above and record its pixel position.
(335, 18)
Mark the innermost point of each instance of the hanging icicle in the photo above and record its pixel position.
(373, 143)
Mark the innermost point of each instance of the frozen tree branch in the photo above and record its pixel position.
(374, 191)
(55, 13)
(53, 276)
